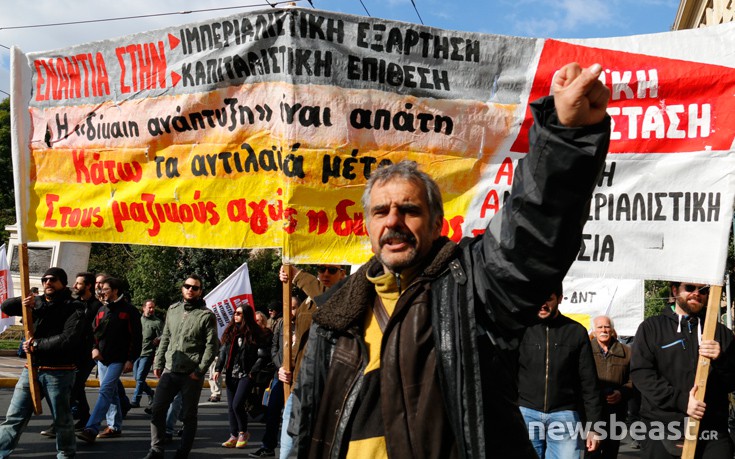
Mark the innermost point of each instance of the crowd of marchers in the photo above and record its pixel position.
(431, 349)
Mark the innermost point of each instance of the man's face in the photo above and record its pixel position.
(109, 294)
(51, 285)
(98, 284)
(272, 313)
(690, 298)
(400, 227)
(79, 288)
(261, 320)
(550, 308)
(191, 290)
(149, 308)
(329, 274)
(294, 305)
(603, 331)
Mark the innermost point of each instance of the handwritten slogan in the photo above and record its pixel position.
(260, 130)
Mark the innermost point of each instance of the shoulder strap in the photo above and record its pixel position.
(380, 313)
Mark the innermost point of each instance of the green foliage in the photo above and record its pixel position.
(656, 297)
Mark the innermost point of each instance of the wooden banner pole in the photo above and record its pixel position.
(25, 290)
(287, 327)
(703, 367)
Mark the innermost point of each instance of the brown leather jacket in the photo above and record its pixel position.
(613, 373)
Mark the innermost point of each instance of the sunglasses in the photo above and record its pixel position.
(193, 288)
(237, 313)
(693, 288)
(330, 270)
(49, 279)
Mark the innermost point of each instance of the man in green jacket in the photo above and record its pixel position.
(188, 345)
(152, 330)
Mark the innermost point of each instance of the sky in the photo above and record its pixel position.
(528, 18)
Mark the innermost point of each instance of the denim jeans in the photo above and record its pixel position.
(286, 440)
(553, 434)
(169, 385)
(108, 402)
(55, 388)
(172, 415)
(141, 368)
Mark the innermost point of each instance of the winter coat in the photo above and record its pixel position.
(446, 380)
(663, 366)
(556, 370)
(117, 332)
(238, 359)
(58, 328)
(189, 341)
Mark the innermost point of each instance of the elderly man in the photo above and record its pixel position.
(58, 325)
(407, 359)
(188, 345)
(612, 359)
(663, 366)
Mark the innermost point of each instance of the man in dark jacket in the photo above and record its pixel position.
(556, 375)
(663, 365)
(118, 340)
(58, 331)
(406, 358)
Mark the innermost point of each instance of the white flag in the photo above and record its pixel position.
(227, 296)
(6, 288)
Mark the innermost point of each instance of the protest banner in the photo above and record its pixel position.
(6, 288)
(231, 293)
(259, 130)
(620, 299)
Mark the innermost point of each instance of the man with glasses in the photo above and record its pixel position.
(188, 345)
(58, 331)
(663, 365)
(118, 339)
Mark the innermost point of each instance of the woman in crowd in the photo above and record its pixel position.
(245, 349)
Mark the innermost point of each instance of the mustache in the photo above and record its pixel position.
(397, 236)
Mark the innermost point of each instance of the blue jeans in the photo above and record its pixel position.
(141, 368)
(108, 402)
(553, 434)
(172, 415)
(286, 440)
(55, 388)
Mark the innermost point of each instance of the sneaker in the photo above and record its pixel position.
(134, 404)
(49, 432)
(87, 435)
(181, 454)
(242, 440)
(214, 398)
(231, 442)
(154, 455)
(148, 410)
(109, 433)
(263, 452)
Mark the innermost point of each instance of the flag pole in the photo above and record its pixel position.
(21, 158)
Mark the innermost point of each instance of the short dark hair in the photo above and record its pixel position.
(89, 278)
(196, 277)
(559, 290)
(114, 283)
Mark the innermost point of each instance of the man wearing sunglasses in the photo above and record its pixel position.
(58, 326)
(188, 346)
(409, 357)
(663, 365)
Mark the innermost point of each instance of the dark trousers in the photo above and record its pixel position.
(273, 415)
(169, 385)
(78, 395)
(238, 390)
(719, 448)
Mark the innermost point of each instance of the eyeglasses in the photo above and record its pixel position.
(105, 290)
(193, 288)
(690, 288)
(330, 270)
(49, 279)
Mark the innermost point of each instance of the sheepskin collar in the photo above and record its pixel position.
(345, 308)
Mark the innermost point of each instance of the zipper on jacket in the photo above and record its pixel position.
(546, 381)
